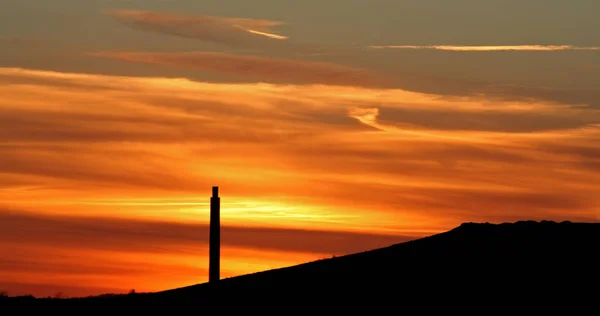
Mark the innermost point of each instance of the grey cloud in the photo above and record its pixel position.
(497, 76)
(222, 30)
(455, 86)
(244, 35)
(492, 121)
(24, 42)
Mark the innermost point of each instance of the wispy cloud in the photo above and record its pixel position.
(275, 36)
(27, 42)
(287, 70)
(223, 30)
(164, 236)
(343, 167)
(294, 124)
(537, 48)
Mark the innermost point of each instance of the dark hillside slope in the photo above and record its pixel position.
(498, 264)
(523, 256)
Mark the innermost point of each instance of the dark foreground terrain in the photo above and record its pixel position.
(542, 264)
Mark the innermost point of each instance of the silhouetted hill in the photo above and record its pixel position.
(499, 264)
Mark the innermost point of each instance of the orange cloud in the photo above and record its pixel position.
(254, 67)
(282, 70)
(312, 168)
(72, 247)
(536, 48)
(159, 236)
(298, 126)
(275, 36)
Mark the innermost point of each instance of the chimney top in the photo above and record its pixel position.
(215, 191)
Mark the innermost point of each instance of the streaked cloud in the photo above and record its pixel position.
(319, 139)
(287, 70)
(275, 36)
(97, 233)
(222, 30)
(536, 48)
(26, 42)
(107, 178)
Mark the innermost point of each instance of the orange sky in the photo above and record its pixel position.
(99, 171)
(105, 178)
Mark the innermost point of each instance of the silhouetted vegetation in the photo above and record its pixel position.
(20, 298)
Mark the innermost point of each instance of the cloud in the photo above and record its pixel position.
(24, 42)
(286, 70)
(275, 36)
(104, 179)
(498, 75)
(113, 234)
(221, 30)
(107, 178)
(536, 48)
(492, 119)
(114, 254)
(319, 146)
(243, 35)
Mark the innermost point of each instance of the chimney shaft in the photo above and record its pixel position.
(215, 237)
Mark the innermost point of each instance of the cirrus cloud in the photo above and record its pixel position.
(286, 70)
(490, 48)
(222, 30)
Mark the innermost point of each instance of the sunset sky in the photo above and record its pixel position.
(330, 126)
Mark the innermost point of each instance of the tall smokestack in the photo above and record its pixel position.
(215, 237)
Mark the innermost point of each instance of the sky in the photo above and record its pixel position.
(331, 127)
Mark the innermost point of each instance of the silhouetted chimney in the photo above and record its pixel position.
(215, 237)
